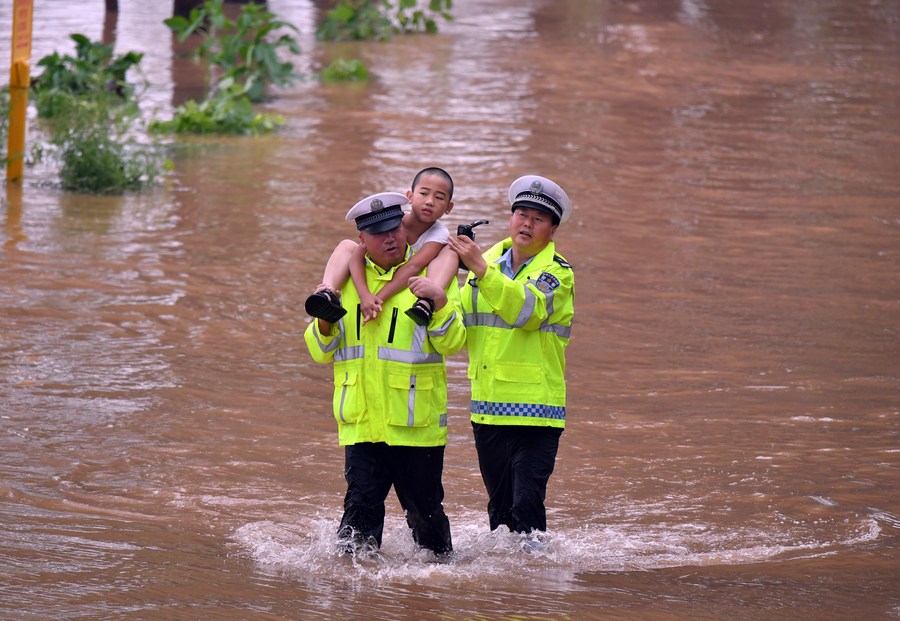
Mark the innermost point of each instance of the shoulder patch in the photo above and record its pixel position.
(562, 261)
(546, 282)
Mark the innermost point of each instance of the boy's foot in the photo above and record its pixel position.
(325, 305)
(422, 311)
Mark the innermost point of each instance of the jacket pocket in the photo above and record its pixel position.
(414, 400)
(348, 402)
(518, 373)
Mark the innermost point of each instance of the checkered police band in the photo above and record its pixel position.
(526, 410)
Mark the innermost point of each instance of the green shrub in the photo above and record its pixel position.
(355, 20)
(97, 149)
(92, 117)
(241, 50)
(381, 19)
(93, 72)
(96, 164)
(411, 18)
(228, 111)
(342, 70)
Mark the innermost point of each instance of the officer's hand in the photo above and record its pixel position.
(469, 253)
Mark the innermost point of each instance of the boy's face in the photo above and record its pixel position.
(430, 199)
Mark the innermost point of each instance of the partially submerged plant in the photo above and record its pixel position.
(381, 19)
(98, 149)
(92, 73)
(246, 50)
(375, 19)
(244, 59)
(229, 111)
(93, 120)
(343, 70)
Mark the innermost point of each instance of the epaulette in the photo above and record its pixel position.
(562, 261)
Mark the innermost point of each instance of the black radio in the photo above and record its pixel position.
(466, 231)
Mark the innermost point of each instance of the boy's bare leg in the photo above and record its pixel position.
(442, 270)
(337, 269)
(444, 267)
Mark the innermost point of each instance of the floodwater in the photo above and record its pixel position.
(733, 443)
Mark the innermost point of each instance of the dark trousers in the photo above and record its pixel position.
(516, 463)
(415, 473)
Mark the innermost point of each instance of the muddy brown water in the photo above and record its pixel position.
(733, 444)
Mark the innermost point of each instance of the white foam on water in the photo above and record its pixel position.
(307, 549)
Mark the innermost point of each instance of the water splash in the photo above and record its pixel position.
(307, 548)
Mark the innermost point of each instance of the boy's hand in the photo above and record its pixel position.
(369, 306)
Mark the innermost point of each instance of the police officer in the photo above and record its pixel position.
(390, 389)
(518, 305)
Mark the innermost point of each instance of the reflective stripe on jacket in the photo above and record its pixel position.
(517, 332)
(390, 379)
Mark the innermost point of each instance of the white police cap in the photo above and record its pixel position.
(379, 212)
(540, 193)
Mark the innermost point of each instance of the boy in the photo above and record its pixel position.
(430, 198)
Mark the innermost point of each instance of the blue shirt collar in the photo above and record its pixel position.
(505, 263)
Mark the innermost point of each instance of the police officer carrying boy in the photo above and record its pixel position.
(390, 388)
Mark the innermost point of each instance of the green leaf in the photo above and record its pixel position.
(177, 23)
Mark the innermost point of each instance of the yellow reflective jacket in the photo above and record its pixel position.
(390, 380)
(517, 332)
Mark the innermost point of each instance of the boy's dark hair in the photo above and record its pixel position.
(434, 170)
